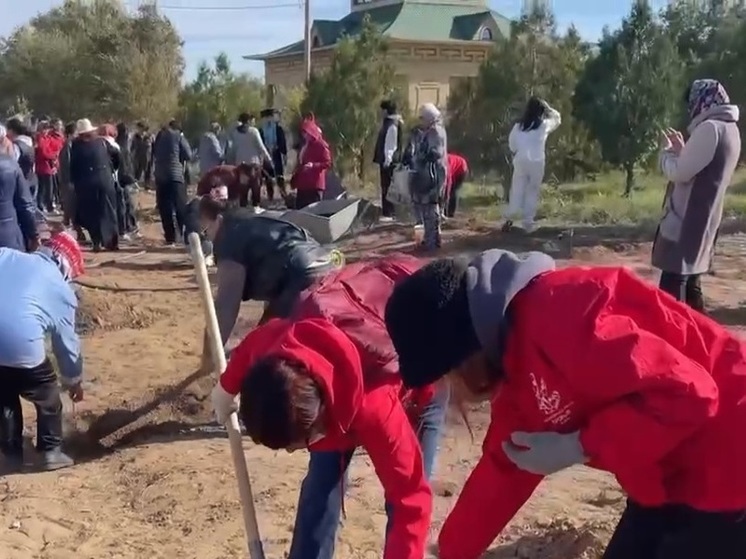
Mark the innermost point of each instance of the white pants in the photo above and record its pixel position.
(524, 191)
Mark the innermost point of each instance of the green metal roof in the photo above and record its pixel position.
(405, 21)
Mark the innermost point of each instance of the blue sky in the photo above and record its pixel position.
(241, 27)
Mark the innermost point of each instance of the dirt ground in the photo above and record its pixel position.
(155, 480)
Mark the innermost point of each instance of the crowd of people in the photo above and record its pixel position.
(581, 365)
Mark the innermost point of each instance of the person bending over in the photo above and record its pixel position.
(327, 379)
(42, 303)
(244, 181)
(258, 258)
(584, 366)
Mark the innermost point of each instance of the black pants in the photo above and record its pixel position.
(307, 197)
(386, 176)
(46, 192)
(171, 199)
(685, 288)
(39, 386)
(252, 192)
(143, 169)
(677, 532)
(126, 218)
(453, 195)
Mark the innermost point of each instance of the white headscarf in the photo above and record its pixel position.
(429, 113)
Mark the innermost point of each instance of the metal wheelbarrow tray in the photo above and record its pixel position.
(327, 220)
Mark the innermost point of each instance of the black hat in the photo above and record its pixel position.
(429, 323)
(266, 112)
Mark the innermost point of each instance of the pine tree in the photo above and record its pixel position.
(631, 90)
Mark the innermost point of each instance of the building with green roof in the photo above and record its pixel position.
(434, 43)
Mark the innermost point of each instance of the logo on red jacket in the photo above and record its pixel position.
(550, 402)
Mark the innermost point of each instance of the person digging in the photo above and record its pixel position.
(589, 366)
(327, 379)
(38, 302)
(258, 258)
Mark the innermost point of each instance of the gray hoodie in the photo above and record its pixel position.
(246, 146)
(493, 279)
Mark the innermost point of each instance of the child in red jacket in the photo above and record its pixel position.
(584, 366)
(327, 379)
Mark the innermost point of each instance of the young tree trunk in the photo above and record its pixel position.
(629, 183)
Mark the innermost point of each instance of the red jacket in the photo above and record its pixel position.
(338, 331)
(457, 170)
(313, 161)
(48, 148)
(228, 176)
(657, 391)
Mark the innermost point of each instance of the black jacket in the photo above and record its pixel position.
(170, 152)
(271, 250)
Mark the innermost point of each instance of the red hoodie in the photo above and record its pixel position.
(313, 161)
(656, 390)
(48, 148)
(338, 331)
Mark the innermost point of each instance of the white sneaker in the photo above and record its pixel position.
(258, 210)
(210, 261)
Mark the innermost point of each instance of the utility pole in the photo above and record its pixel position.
(307, 40)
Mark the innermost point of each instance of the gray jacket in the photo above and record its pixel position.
(210, 152)
(429, 165)
(171, 152)
(245, 145)
(693, 205)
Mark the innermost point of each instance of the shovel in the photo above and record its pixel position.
(256, 551)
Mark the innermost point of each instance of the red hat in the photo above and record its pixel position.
(65, 245)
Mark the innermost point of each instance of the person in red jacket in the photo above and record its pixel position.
(584, 366)
(241, 180)
(458, 171)
(315, 157)
(49, 144)
(327, 379)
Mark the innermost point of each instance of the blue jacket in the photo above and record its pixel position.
(38, 302)
(17, 208)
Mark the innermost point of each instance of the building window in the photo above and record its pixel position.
(485, 34)
(316, 43)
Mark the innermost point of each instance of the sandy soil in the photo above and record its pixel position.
(152, 483)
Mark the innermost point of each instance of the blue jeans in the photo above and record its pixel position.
(320, 501)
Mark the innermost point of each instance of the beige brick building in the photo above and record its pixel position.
(434, 43)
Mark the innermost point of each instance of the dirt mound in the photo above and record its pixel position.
(560, 539)
(106, 311)
(162, 414)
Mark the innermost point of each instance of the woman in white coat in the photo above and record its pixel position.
(527, 142)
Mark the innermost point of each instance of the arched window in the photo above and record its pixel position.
(316, 43)
(485, 34)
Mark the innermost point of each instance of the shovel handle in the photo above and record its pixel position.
(256, 550)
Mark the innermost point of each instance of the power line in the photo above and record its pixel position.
(228, 8)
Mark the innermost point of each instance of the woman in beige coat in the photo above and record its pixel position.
(699, 172)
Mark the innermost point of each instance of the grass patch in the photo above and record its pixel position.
(596, 203)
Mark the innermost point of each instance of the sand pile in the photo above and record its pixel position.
(107, 311)
(560, 539)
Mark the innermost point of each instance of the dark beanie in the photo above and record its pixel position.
(428, 320)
